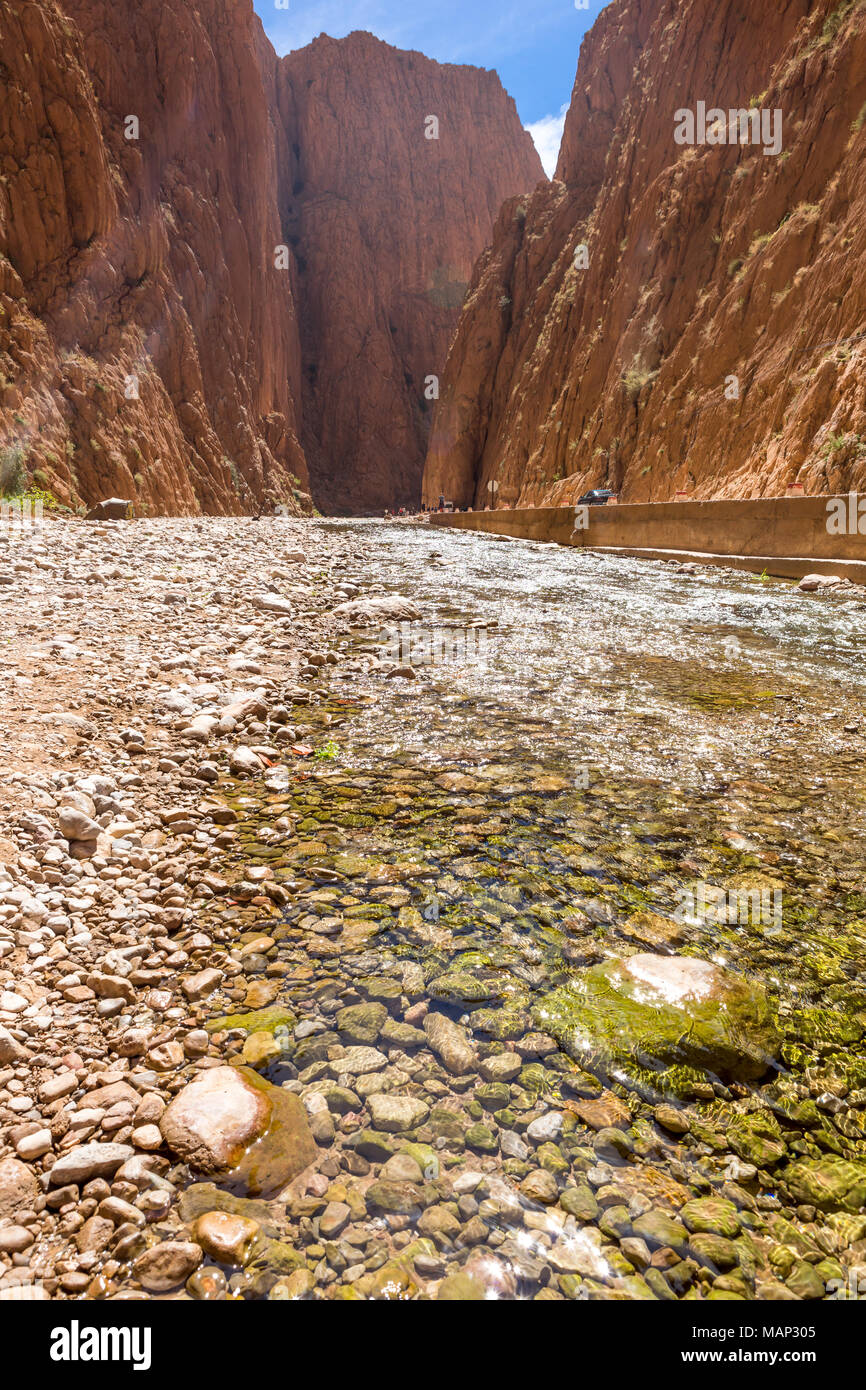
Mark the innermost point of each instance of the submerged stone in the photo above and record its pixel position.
(230, 1122)
(659, 1012)
(461, 987)
(270, 1020)
(831, 1183)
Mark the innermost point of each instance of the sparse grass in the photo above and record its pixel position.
(760, 242)
(636, 377)
(860, 120)
(834, 444)
(834, 21)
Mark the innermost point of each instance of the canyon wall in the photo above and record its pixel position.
(387, 213)
(669, 317)
(216, 264)
(150, 347)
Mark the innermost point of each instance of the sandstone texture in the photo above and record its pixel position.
(199, 242)
(386, 225)
(149, 346)
(702, 263)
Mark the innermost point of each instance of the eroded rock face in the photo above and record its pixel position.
(149, 344)
(703, 263)
(186, 222)
(230, 1121)
(386, 225)
(665, 1019)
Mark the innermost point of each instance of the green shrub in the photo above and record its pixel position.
(12, 470)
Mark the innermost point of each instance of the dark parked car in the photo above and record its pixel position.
(597, 498)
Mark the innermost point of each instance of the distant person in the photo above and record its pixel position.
(442, 501)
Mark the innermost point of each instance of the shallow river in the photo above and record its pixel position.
(600, 754)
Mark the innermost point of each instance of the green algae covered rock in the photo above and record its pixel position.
(830, 1183)
(714, 1216)
(656, 1014)
(275, 1019)
(462, 987)
(757, 1138)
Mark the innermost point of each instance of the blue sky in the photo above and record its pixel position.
(533, 46)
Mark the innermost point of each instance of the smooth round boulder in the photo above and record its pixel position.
(231, 1121)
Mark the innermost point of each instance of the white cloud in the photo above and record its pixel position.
(547, 137)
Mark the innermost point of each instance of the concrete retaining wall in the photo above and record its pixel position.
(784, 535)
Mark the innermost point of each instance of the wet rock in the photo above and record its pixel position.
(358, 1061)
(166, 1265)
(227, 1238)
(361, 1023)
(579, 1202)
(399, 1198)
(714, 1251)
(333, 1219)
(757, 1139)
(711, 1216)
(830, 1183)
(232, 1121)
(670, 1118)
(394, 1113)
(451, 1043)
(260, 1048)
(460, 1288)
(540, 1186)
(664, 1012)
(461, 987)
(502, 1066)
(659, 1229)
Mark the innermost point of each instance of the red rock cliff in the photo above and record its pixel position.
(715, 340)
(386, 225)
(276, 237)
(144, 264)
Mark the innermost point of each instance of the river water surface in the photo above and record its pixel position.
(601, 748)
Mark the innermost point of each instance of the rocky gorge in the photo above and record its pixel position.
(393, 911)
(328, 972)
(226, 277)
(666, 317)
